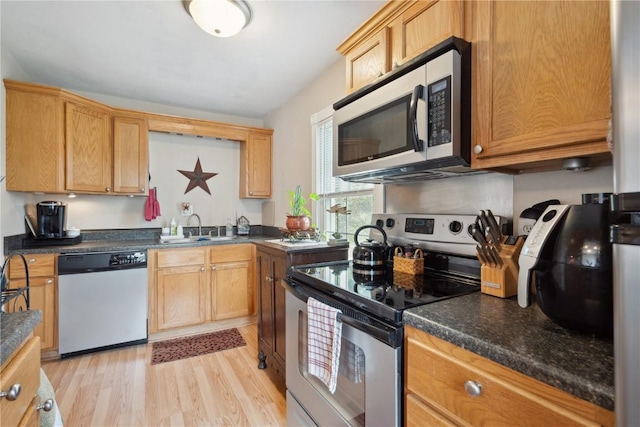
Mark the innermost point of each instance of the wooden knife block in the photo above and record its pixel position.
(502, 281)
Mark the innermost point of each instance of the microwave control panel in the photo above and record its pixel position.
(439, 108)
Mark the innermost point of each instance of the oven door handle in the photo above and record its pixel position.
(378, 330)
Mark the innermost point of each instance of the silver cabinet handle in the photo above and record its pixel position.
(213, 268)
(473, 388)
(380, 74)
(202, 268)
(32, 260)
(49, 282)
(477, 149)
(13, 393)
(395, 65)
(108, 189)
(46, 406)
(142, 189)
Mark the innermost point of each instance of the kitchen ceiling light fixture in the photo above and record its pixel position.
(220, 18)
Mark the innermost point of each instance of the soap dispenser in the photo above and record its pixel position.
(229, 228)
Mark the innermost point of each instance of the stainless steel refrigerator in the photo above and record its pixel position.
(625, 45)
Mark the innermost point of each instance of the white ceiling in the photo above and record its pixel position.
(153, 51)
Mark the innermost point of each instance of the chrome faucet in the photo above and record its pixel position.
(199, 224)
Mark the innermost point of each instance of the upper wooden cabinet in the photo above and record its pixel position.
(255, 166)
(35, 139)
(89, 159)
(130, 155)
(541, 82)
(58, 142)
(397, 33)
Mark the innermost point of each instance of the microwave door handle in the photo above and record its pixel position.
(418, 144)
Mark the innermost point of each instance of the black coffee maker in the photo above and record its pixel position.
(573, 269)
(52, 218)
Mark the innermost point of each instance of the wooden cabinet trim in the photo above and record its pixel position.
(374, 24)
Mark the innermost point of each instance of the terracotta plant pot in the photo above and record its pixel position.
(301, 222)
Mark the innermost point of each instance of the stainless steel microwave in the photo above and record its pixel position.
(414, 124)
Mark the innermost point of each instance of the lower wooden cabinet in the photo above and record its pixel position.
(23, 368)
(232, 281)
(192, 286)
(181, 296)
(446, 385)
(43, 293)
(271, 268)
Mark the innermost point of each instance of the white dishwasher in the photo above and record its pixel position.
(102, 301)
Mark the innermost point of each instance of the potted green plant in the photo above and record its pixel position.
(299, 217)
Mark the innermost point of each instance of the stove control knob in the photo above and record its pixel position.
(380, 223)
(390, 222)
(455, 227)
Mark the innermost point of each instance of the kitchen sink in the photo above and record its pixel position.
(193, 239)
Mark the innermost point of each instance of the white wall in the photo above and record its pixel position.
(292, 148)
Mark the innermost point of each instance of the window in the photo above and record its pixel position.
(356, 197)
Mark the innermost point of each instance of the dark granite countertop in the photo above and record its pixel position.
(14, 329)
(149, 238)
(525, 340)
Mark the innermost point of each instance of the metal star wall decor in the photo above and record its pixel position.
(197, 178)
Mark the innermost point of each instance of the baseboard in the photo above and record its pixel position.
(203, 328)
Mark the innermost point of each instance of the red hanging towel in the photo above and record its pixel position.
(156, 204)
(148, 205)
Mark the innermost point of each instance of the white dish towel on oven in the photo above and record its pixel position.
(324, 333)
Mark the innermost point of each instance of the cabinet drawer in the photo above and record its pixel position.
(23, 369)
(419, 414)
(38, 264)
(230, 253)
(181, 257)
(506, 398)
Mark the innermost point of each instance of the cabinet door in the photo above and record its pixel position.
(255, 171)
(230, 283)
(265, 301)
(182, 295)
(130, 155)
(368, 61)
(42, 296)
(279, 312)
(35, 141)
(422, 26)
(89, 149)
(542, 81)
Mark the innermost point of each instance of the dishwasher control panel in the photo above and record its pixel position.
(126, 258)
(77, 263)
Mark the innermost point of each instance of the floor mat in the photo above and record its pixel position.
(182, 348)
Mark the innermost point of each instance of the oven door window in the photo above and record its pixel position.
(380, 133)
(349, 397)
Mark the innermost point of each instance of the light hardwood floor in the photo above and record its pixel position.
(121, 388)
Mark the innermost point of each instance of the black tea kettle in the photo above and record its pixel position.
(370, 257)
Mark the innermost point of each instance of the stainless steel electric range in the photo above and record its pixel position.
(369, 390)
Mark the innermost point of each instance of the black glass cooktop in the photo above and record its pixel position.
(385, 294)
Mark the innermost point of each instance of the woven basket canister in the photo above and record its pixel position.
(413, 265)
